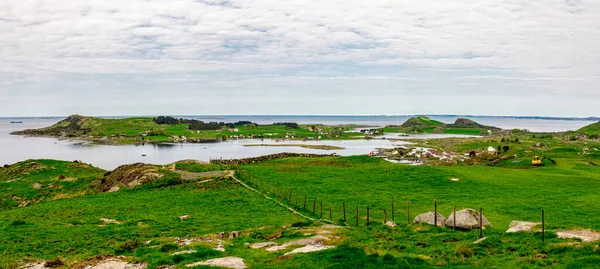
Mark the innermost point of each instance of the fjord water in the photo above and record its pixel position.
(15, 148)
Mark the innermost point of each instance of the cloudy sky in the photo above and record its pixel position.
(148, 57)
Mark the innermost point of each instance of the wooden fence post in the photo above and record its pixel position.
(454, 221)
(367, 216)
(297, 198)
(344, 205)
(321, 202)
(435, 212)
(384, 216)
(314, 204)
(291, 192)
(305, 202)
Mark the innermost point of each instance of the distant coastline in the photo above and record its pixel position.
(220, 117)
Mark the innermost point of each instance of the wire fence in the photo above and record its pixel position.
(311, 204)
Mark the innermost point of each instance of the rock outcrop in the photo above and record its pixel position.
(467, 219)
(129, 176)
(520, 226)
(429, 218)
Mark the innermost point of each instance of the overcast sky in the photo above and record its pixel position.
(143, 57)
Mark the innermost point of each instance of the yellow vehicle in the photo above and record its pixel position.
(536, 161)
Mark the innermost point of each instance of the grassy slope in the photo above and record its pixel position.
(70, 228)
(56, 179)
(592, 129)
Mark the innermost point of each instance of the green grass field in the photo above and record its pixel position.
(72, 230)
(569, 192)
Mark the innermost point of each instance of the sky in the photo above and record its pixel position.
(327, 57)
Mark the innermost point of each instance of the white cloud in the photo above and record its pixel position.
(339, 51)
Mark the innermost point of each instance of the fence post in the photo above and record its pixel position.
(454, 221)
(435, 212)
(314, 204)
(330, 212)
(297, 198)
(367, 216)
(291, 192)
(384, 216)
(344, 205)
(480, 222)
(543, 227)
(321, 202)
(305, 202)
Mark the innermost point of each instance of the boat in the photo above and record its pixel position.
(16, 122)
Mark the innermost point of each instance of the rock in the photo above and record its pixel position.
(391, 224)
(479, 240)
(221, 235)
(182, 218)
(467, 219)
(540, 144)
(234, 234)
(263, 245)
(584, 235)
(109, 221)
(315, 240)
(309, 248)
(187, 251)
(130, 176)
(228, 262)
(39, 265)
(520, 226)
(429, 218)
(36, 186)
(331, 226)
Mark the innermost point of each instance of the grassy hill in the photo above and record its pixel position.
(421, 121)
(423, 124)
(592, 129)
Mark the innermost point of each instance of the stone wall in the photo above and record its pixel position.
(268, 157)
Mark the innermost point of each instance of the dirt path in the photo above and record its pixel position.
(232, 174)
